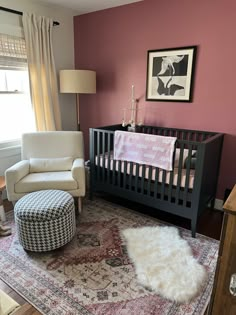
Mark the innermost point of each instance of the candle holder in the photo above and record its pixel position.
(133, 122)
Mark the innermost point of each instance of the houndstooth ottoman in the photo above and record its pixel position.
(45, 220)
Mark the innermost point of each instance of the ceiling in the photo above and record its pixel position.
(86, 6)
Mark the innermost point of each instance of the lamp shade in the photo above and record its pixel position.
(78, 81)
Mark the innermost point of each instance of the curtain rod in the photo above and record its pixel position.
(21, 13)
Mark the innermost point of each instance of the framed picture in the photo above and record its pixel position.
(170, 74)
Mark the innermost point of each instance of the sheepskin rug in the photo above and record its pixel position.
(164, 262)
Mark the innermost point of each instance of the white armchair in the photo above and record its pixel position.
(49, 160)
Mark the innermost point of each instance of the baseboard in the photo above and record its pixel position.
(219, 204)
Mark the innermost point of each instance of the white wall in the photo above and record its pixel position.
(63, 44)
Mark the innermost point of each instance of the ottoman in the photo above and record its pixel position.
(45, 220)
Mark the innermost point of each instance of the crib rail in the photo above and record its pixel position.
(181, 134)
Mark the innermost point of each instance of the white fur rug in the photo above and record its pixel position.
(164, 262)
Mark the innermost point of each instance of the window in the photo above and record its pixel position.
(16, 114)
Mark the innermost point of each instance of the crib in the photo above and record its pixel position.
(185, 191)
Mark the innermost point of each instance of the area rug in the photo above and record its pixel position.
(93, 274)
(164, 262)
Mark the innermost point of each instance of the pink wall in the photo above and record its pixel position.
(114, 42)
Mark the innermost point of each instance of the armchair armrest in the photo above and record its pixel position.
(14, 174)
(78, 172)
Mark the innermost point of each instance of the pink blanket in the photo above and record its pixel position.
(144, 149)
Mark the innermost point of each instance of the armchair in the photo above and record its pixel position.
(49, 160)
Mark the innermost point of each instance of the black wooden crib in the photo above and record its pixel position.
(185, 191)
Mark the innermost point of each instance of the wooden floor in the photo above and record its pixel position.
(209, 224)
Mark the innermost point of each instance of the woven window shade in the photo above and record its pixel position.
(12, 52)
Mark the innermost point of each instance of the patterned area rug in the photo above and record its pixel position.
(93, 275)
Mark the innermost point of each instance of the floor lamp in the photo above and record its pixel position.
(78, 82)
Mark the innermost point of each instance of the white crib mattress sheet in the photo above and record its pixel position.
(176, 174)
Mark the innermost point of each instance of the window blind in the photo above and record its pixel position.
(12, 52)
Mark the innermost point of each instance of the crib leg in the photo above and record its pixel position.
(194, 226)
(90, 194)
(212, 203)
(91, 174)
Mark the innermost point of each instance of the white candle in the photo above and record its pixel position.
(124, 122)
(124, 116)
(132, 92)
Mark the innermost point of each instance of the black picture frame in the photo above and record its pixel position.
(170, 74)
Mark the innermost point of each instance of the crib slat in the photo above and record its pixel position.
(143, 178)
(109, 157)
(179, 176)
(149, 180)
(186, 186)
(119, 173)
(98, 155)
(125, 174)
(191, 136)
(114, 172)
(131, 175)
(92, 160)
(136, 176)
(163, 182)
(170, 185)
(198, 137)
(103, 156)
(156, 181)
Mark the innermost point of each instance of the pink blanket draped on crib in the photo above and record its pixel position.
(144, 149)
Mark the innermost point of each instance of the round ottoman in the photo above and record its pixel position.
(45, 220)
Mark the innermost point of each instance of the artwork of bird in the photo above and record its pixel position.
(167, 63)
(167, 89)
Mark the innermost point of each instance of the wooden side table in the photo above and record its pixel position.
(2, 187)
(223, 299)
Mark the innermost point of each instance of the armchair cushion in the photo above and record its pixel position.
(38, 165)
(47, 180)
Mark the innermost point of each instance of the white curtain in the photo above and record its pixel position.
(42, 72)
